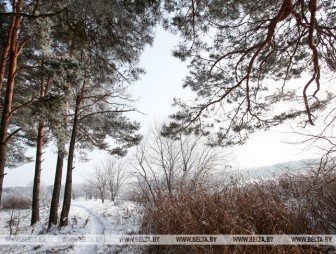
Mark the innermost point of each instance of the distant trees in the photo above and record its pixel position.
(107, 178)
(116, 174)
(89, 190)
(98, 181)
(166, 166)
(243, 55)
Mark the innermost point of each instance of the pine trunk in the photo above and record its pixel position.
(68, 182)
(6, 111)
(53, 217)
(37, 177)
(4, 54)
(38, 161)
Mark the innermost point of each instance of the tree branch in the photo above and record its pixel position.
(12, 134)
(31, 16)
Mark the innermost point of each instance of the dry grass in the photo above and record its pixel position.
(16, 202)
(290, 204)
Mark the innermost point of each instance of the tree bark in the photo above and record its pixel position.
(68, 182)
(5, 52)
(13, 56)
(102, 195)
(53, 216)
(37, 177)
(38, 161)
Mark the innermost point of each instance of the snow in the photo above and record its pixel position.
(87, 217)
(95, 224)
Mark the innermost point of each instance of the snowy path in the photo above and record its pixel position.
(87, 217)
(95, 224)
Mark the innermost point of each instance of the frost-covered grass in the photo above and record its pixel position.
(86, 217)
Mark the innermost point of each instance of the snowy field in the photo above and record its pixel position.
(87, 218)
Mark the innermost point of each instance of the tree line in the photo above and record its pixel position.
(65, 70)
(106, 180)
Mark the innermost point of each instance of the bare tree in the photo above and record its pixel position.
(89, 190)
(116, 174)
(107, 179)
(98, 180)
(157, 162)
(166, 165)
(45, 195)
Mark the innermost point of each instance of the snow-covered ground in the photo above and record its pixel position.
(87, 217)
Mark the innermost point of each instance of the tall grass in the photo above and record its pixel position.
(15, 201)
(289, 204)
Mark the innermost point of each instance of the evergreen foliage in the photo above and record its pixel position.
(242, 55)
(65, 70)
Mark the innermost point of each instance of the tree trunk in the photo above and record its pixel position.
(5, 52)
(53, 216)
(13, 56)
(37, 177)
(68, 182)
(102, 195)
(38, 162)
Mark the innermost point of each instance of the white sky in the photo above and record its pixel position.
(156, 90)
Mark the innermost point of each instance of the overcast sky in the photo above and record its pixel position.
(155, 93)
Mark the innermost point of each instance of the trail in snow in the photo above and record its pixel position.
(96, 228)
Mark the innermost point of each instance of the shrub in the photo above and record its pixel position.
(16, 202)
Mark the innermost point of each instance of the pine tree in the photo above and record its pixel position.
(242, 55)
(105, 40)
(18, 15)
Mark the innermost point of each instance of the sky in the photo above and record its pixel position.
(154, 93)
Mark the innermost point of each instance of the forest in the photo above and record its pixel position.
(66, 68)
